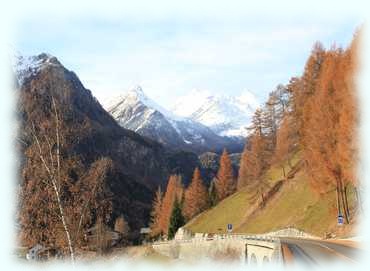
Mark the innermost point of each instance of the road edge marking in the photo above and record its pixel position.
(336, 253)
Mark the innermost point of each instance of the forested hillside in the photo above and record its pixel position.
(298, 165)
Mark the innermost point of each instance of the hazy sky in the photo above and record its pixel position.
(171, 49)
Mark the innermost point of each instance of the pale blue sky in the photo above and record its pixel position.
(170, 50)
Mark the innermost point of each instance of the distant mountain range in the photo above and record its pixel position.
(127, 136)
(226, 115)
(135, 111)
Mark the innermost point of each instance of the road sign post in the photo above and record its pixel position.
(229, 228)
(340, 220)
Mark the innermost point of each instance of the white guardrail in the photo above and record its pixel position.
(266, 237)
(222, 237)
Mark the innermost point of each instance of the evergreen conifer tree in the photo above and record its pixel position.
(177, 220)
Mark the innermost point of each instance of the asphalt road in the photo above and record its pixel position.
(317, 252)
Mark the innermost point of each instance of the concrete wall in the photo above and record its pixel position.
(291, 232)
(246, 248)
(223, 247)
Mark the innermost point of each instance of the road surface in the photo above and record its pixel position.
(317, 252)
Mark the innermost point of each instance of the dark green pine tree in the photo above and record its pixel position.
(176, 221)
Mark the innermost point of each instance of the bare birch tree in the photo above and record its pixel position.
(53, 172)
(74, 203)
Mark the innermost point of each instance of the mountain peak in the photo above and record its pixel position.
(227, 115)
(137, 90)
(134, 97)
(26, 66)
(135, 111)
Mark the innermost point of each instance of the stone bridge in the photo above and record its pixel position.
(246, 248)
(251, 249)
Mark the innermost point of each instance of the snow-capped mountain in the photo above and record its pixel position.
(225, 115)
(27, 66)
(137, 112)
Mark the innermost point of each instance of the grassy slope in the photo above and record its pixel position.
(295, 205)
(230, 210)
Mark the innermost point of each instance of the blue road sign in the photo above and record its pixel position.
(340, 220)
(229, 227)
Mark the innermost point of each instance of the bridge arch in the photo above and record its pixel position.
(253, 259)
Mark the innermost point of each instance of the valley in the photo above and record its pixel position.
(101, 177)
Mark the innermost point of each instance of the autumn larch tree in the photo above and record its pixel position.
(328, 122)
(173, 191)
(303, 88)
(251, 170)
(348, 124)
(273, 112)
(196, 196)
(296, 103)
(156, 213)
(263, 132)
(286, 144)
(319, 133)
(257, 122)
(225, 183)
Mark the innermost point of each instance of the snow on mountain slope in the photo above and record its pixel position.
(188, 104)
(225, 115)
(135, 111)
(27, 66)
(136, 95)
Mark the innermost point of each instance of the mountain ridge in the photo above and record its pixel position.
(226, 115)
(135, 111)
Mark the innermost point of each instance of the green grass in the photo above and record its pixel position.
(319, 217)
(276, 173)
(296, 205)
(235, 208)
(231, 210)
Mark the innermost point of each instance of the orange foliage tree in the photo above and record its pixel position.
(156, 213)
(328, 123)
(174, 191)
(286, 143)
(225, 183)
(196, 196)
(252, 168)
